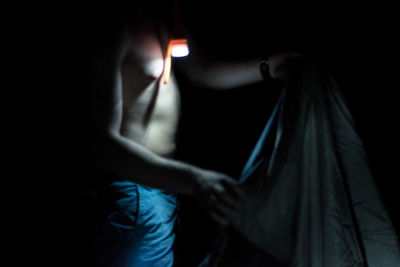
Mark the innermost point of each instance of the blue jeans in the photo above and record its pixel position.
(137, 226)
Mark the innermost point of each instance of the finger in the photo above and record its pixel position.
(222, 203)
(224, 209)
(234, 188)
(218, 218)
(211, 201)
(214, 211)
(228, 201)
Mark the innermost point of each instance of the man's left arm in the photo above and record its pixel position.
(228, 74)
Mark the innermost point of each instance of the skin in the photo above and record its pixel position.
(134, 115)
(131, 137)
(280, 64)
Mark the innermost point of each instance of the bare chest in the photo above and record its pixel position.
(150, 112)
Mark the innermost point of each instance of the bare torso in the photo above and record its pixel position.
(150, 107)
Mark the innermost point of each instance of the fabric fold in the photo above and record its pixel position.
(313, 200)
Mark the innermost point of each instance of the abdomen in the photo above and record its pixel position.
(152, 118)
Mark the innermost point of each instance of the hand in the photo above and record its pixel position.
(219, 194)
(280, 64)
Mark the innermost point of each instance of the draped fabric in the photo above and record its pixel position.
(313, 200)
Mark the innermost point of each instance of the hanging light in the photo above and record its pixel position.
(177, 46)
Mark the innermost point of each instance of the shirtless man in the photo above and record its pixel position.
(133, 121)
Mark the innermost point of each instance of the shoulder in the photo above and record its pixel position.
(106, 42)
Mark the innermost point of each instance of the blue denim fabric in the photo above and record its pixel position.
(138, 229)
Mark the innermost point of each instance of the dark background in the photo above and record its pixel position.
(219, 128)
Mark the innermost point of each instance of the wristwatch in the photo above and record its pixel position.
(268, 80)
(264, 69)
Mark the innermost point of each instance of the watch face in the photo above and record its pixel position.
(264, 69)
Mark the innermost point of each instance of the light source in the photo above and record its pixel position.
(177, 46)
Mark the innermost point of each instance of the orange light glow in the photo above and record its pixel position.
(167, 64)
(179, 48)
(176, 48)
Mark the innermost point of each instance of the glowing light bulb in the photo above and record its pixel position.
(176, 48)
(179, 48)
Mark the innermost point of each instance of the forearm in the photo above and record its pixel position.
(220, 74)
(128, 160)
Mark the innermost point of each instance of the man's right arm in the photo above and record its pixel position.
(113, 153)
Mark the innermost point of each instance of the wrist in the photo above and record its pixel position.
(264, 69)
(192, 178)
(268, 79)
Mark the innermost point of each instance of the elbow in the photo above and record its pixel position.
(100, 149)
